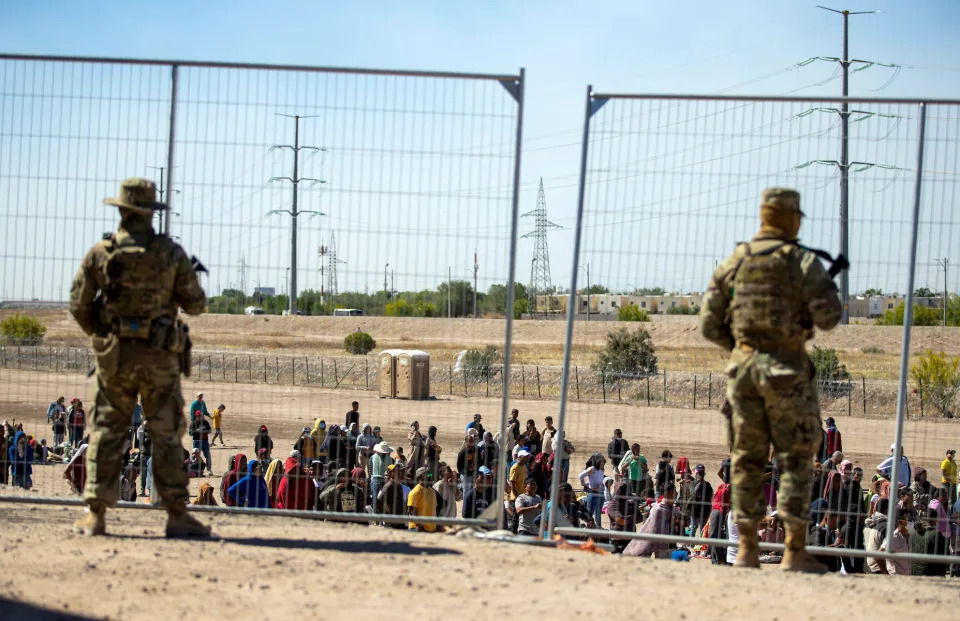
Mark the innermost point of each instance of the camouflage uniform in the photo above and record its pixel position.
(126, 296)
(762, 305)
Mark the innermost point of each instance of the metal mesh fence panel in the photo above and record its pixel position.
(670, 185)
(327, 204)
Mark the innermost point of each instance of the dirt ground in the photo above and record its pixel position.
(696, 434)
(867, 350)
(257, 568)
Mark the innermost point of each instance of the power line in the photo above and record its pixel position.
(294, 213)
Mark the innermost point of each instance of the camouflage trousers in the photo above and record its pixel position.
(154, 374)
(774, 402)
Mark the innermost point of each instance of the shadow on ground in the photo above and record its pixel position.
(11, 610)
(355, 547)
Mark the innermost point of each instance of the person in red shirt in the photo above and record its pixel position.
(834, 441)
(296, 490)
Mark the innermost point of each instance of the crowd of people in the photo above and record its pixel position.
(351, 468)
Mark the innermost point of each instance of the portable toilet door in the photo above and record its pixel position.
(386, 369)
(413, 375)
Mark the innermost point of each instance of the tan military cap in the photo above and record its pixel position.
(782, 198)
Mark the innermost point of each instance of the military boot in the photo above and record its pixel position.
(748, 554)
(92, 524)
(181, 524)
(795, 557)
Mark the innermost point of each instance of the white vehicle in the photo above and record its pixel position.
(347, 312)
(253, 310)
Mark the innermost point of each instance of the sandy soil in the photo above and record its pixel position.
(676, 338)
(280, 569)
(697, 434)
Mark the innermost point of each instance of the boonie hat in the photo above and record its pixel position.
(136, 194)
(782, 198)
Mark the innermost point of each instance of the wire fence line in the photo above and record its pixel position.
(857, 397)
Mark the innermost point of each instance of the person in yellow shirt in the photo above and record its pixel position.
(422, 502)
(948, 475)
(217, 420)
(518, 475)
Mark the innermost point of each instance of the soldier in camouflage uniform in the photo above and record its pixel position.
(126, 296)
(762, 305)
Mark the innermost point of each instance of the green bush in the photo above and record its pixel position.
(359, 343)
(683, 310)
(922, 316)
(827, 365)
(632, 312)
(478, 364)
(22, 330)
(871, 349)
(627, 354)
(938, 380)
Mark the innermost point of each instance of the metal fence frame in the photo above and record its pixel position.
(514, 84)
(595, 101)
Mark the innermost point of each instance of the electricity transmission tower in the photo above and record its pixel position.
(540, 283)
(844, 163)
(328, 259)
(243, 275)
(296, 147)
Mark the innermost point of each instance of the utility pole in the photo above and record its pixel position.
(393, 290)
(294, 213)
(160, 192)
(476, 268)
(449, 286)
(844, 163)
(385, 290)
(944, 263)
(243, 277)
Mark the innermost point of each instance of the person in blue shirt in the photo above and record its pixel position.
(251, 490)
(137, 415)
(475, 424)
(56, 406)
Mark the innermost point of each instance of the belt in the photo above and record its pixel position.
(771, 348)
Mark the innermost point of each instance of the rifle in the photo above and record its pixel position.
(837, 264)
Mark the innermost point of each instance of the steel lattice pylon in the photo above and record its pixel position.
(332, 262)
(540, 281)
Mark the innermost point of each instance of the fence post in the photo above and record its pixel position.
(539, 395)
(576, 371)
(619, 383)
(56, 362)
(920, 392)
(710, 390)
(366, 373)
(863, 379)
(335, 373)
(306, 367)
(19, 357)
(450, 370)
(464, 382)
(488, 381)
(849, 397)
(664, 387)
(264, 369)
(236, 370)
(321, 372)
(293, 370)
(694, 391)
(603, 385)
(648, 389)
(523, 383)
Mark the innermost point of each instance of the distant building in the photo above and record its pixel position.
(265, 291)
(33, 304)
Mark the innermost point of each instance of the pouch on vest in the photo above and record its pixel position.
(107, 351)
(133, 328)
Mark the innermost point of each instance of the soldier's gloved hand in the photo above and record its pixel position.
(840, 264)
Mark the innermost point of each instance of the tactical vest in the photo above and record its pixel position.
(767, 310)
(138, 285)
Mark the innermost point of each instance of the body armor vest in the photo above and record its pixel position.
(138, 285)
(767, 309)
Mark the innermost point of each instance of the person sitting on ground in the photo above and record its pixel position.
(825, 533)
(477, 498)
(343, 496)
(205, 496)
(359, 478)
(771, 531)
(238, 466)
(296, 490)
(874, 531)
(571, 508)
(251, 490)
(926, 539)
(195, 464)
(262, 441)
(528, 505)
(423, 501)
(659, 522)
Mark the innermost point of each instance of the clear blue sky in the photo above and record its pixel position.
(741, 47)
